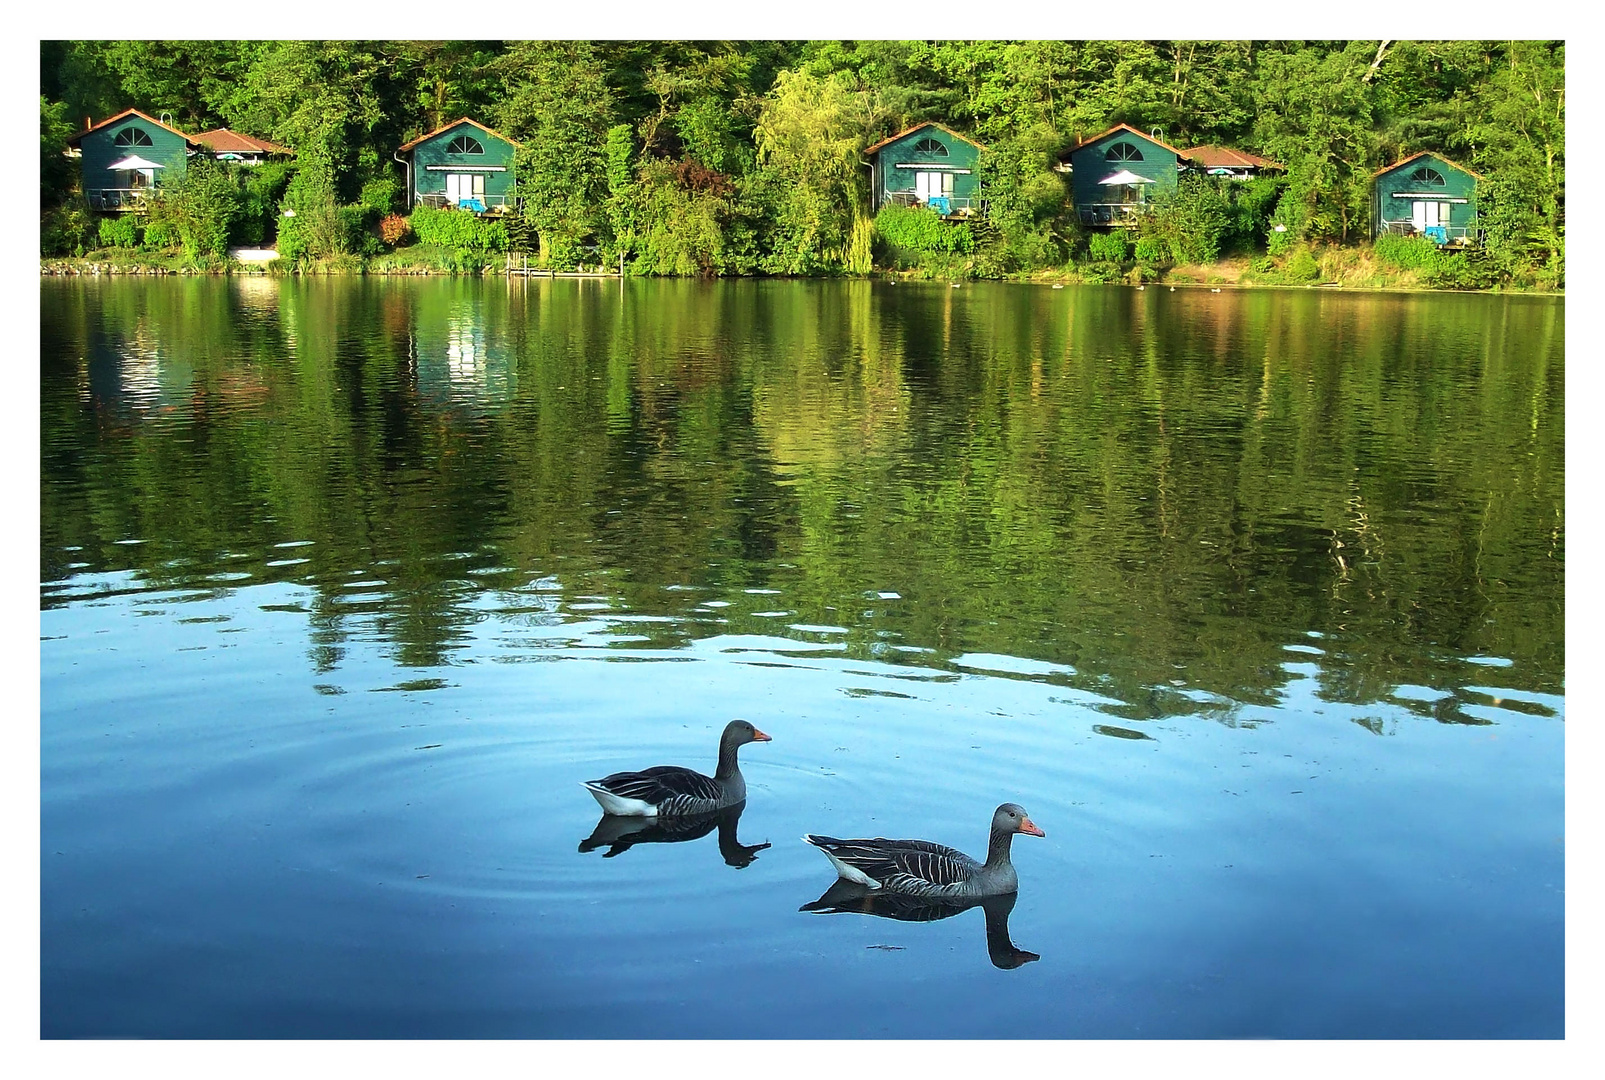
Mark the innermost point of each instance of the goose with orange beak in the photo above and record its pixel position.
(921, 868)
(673, 790)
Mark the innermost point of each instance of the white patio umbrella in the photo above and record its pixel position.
(134, 161)
(1125, 176)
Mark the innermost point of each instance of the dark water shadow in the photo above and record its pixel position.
(619, 834)
(846, 898)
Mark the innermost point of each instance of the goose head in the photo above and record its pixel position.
(740, 733)
(1012, 818)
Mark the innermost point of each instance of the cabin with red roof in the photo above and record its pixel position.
(232, 146)
(1227, 162)
(926, 165)
(125, 157)
(1115, 174)
(462, 165)
(1426, 195)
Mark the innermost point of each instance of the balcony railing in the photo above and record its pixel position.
(1439, 234)
(117, 198)
(1119, 215)
(959, 206)
(438, 201)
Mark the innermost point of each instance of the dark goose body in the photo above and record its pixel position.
(921, 868)
(674, 791)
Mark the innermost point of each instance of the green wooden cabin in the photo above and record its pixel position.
(927, 165)
(123, 158)
(1426, 195)
(1115, 174)
(463, 164)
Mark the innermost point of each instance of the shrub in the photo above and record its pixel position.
(68, 229)
(919, 228)
(458, 230)
(1151, 250)
(380, 195)
(119, 232)
(1279, 243)
(1301, 266)
(1406, 252)
(393, 229)
(1108, 247)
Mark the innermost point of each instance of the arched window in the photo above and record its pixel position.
(464, 144)
(929, 145)
(131, 136)
(1122, 151)
(1429, 177)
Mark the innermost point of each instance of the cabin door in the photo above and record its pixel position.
(1425, 214)
(931, 185)
(464, 186)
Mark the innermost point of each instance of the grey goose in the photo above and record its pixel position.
(672, 790)
(921, 868)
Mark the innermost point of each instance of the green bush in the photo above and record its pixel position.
(459, 230)
(1279, 243)
(1301, 266)
(919, 228)
(119, 232)
(1406, 252)
(159, 236)
(380, 195)
(1152, 251)
(1108, 247)
(68, 229)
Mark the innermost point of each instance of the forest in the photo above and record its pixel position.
(692, 158)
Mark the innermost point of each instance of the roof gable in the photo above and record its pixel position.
(1427, 154)
(75, 139)
(444, 128)
(1127, 128)
(915, 130)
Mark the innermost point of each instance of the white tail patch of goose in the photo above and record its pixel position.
(618, 804)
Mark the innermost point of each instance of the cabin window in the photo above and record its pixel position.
(464, 144)
(1429, 177)
(131, 136)
(1122, 151)
(930, 146)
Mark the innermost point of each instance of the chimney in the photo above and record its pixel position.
(87, 124)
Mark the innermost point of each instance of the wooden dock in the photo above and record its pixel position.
(518, 266)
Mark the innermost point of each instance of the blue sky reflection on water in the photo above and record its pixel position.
(403, 861)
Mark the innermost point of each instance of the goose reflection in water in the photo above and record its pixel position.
(845, 897)
(620, 834)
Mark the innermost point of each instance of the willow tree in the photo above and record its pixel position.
(811, 136)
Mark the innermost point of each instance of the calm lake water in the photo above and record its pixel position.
(1254, 600)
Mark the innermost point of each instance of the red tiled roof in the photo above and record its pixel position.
(1425, 153)
(1224, 157)
(447, 127)
(909, 131)
(1124, 127)
(224, 141)
(78, 137)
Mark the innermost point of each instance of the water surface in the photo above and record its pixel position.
(1254, 600)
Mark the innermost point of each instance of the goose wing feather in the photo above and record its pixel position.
(662, 783)
(902, 865)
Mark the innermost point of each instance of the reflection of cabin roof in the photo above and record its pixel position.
(224, 141)
(1422, 154)
(447, 127)
(906, 132)
(77, 138)
(1224, 157)
(1123, 127)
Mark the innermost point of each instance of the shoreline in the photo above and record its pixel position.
(1214, 276)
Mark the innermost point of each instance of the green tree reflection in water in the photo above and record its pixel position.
(1171, 493)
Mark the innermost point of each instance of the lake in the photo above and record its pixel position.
(1253, 599)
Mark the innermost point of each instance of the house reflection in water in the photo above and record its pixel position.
(459, 365)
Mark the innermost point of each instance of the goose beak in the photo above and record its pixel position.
(1029, 827)
(758, 736)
